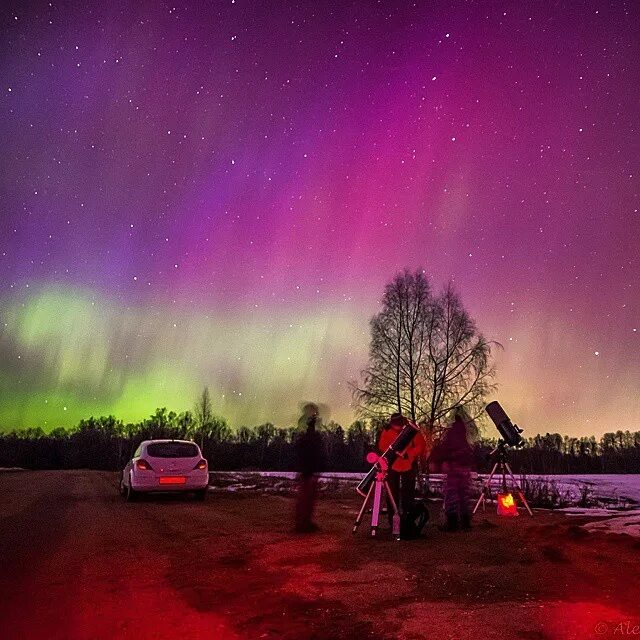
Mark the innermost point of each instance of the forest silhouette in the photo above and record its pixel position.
(107, 443)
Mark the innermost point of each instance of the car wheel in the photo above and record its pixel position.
(130, 494)
(122, 489)
(201, 495)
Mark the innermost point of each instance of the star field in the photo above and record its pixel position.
(216, 193)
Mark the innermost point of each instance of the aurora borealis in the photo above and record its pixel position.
(216, 193)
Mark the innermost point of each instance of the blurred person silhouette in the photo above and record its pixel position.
(454, 455)
(403, 472)
(311, 461)
(424, 462)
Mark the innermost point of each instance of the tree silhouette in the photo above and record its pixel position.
(107, 443)
(397, 348)
(458, 369)
(203, 413)
(425, 356)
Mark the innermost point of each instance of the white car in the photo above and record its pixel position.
(165, 466)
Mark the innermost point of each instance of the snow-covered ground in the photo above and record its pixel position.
(610, 488)
(619, 489)
(629, 524)
(617, 496)
(615, 487)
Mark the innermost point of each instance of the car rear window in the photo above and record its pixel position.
(172, 450)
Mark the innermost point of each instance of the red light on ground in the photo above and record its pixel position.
(173, 480)
(507, 505)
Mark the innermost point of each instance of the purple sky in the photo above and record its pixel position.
(216, 193)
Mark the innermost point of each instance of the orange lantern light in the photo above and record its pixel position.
(507, 505)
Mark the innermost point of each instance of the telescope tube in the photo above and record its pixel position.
(402, 441)
(510, 432)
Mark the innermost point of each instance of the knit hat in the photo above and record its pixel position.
(397, 420)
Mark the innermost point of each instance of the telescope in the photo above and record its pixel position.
(510, 438)
(510, 432)
(386, 460)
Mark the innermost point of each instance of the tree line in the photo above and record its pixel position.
(106, 443)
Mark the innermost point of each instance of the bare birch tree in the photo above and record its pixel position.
(397, 348)
(426, 355)
(458, 369)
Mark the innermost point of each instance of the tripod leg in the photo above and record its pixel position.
(395, 529)
(503, 472)
(362, 509)
(518, 489)
(486, 486)
(480, 500)
(375, 512)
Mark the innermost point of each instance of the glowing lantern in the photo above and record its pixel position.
(507, 505)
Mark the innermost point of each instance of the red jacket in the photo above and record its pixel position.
(417, 448)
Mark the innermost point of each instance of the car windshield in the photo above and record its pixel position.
(172, 450)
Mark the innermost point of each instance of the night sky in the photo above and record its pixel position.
(215, 194)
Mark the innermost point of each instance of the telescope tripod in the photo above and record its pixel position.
(502, 468)
(376, 489)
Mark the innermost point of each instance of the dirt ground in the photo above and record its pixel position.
(79, 563)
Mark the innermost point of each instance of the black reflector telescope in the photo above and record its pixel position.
(510, 432)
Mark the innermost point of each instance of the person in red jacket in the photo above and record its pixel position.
(403, 472)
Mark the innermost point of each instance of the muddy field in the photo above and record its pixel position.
(79, 563)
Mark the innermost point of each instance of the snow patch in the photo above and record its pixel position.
(629, 524)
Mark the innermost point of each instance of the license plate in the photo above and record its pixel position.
(173, 480)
